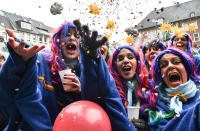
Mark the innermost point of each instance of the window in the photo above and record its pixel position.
(21, 35)
(185, 26)
(195, 23)
(45, 39)
(26, 25)
(40, 39)
(192, 14)
(196, 36)
(34, 38)
(160, 21)
(28, 37)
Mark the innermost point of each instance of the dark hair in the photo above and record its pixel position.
(2, 57)
(150, 44)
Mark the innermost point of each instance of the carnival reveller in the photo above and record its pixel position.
(150, 50)
(131, 78)
(185, 44)
(38, 99)
(176, 97)
(2, 59)
(99, 86)
(129, 74)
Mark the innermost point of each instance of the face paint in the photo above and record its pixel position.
(70, 46)
(172, 70)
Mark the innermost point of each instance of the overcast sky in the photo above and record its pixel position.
(124, 12)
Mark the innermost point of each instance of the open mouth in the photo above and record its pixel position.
(126, 68)
(152, 57)
(71, 47)
(179, 45)
(174, 77)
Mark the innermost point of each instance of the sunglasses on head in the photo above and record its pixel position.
(165, 63)
(182, 39)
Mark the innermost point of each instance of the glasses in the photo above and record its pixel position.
(165, 63)
(182, 39)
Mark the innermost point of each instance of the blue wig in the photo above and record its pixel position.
(186, 60)
(189, 44)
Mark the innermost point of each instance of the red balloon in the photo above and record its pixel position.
(82, 116)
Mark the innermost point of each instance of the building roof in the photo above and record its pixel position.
(4, 22)
(37, 27)
(178, 12)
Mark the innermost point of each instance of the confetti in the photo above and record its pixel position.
(110, 25)
(179, 31)
(129, 39)
(166, 27)
(191, 27)
(94, 9)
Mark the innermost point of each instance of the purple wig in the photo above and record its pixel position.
(141, 74)
(186, 60)
(56, 59)
(189, 44)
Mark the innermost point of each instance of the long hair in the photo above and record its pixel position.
(56, 58)
(141, 74)
(189, 44)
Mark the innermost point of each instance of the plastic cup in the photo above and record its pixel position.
(133, 112)
(62, 73)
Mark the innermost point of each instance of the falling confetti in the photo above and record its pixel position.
(108, 36)
(110, 25)
(191, 27)
(166, 27)
(129, 40)
(179, 31)
(94, 9)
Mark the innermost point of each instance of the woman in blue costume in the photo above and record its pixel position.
(150, 50)
(176, 96)
(99, 86)
(25, 103)
(23, 71)
(185, 44)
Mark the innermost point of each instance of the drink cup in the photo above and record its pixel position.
(62, 74)
(133, 112)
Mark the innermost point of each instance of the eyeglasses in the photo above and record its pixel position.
(182, 39)
(165, 63)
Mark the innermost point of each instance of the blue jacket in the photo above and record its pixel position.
(20, 99)
(99, 86)
(188, 121)
(27, 96)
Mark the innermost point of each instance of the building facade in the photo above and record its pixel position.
(181, 14)
(32, 31)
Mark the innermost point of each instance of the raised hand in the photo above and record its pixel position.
(90, 44)
(25, 53)
(11, 34)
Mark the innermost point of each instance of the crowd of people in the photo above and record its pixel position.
(163, 82)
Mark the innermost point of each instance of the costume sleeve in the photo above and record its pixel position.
(196, 59)
(188, 120)
(18, 90)
(99, 86)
